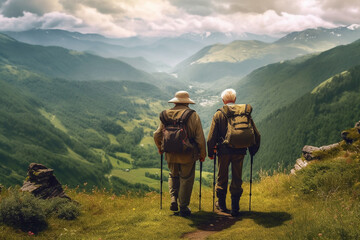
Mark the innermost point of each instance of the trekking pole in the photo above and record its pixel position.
(200, 186)
(251, 164)
(161, 180)
(214, 181)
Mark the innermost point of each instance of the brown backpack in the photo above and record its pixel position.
(240, 132)
(175, 137)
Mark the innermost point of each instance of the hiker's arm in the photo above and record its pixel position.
(158, 136)
(212, 137)
(200, 138)
(255, 148)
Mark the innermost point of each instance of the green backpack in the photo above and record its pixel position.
(240, 132)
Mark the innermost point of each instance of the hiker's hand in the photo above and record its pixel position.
(253, 150)
(215, 149)
(202, 159)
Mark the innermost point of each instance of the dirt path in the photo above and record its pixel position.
(215, 224)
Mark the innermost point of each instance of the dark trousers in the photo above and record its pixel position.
(236, 162)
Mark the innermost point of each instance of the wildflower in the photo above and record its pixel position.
(320, 234)
(30, 233)
(133, 209)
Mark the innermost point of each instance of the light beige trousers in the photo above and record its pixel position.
(181, 181)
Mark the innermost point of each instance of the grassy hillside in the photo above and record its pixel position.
(316, 119)
(319, 202)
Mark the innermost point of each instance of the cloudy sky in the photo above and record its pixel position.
(125, 18)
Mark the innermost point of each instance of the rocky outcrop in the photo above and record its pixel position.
(346, 138)
(308, 151)
(42, 183)
(357, 126)
(300, 163)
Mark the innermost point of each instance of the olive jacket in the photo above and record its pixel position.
(195, 132)
(218, 131)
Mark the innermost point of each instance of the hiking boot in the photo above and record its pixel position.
(185, 211)
(235, 206)
(220, 205)
(174, 204)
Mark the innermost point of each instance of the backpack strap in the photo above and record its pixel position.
(185, 116)
(248, 112)
(220, 110)
(163, 118)
(227, 120)
(182, 120)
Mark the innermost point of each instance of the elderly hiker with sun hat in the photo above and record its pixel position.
(181, 156)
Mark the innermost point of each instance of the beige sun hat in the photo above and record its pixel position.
(181, 97)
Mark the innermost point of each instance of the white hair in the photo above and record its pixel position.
(228, 95)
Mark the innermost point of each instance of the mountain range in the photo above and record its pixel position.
(240, 58)
(163, 53)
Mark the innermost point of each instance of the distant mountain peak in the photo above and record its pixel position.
(354, 26)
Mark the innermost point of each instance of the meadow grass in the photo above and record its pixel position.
(124, 155)
(147, 141)
(279, 211)
(138, 176)
(319, 202)
(54, 120)
(112, 139)
(118, 164)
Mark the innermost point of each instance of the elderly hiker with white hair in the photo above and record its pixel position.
(181, 137)
(232, 131)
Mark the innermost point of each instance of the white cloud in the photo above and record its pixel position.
(106, 24)
(49, 20)
(16, 8)
(123, 18)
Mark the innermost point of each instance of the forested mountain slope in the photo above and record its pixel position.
(315, 119)
(64, 63)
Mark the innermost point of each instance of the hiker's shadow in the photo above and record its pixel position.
(209, 221)
(267, 219)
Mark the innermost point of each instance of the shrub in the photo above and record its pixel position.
(23, 211)
(63, 208)
(325, 177)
